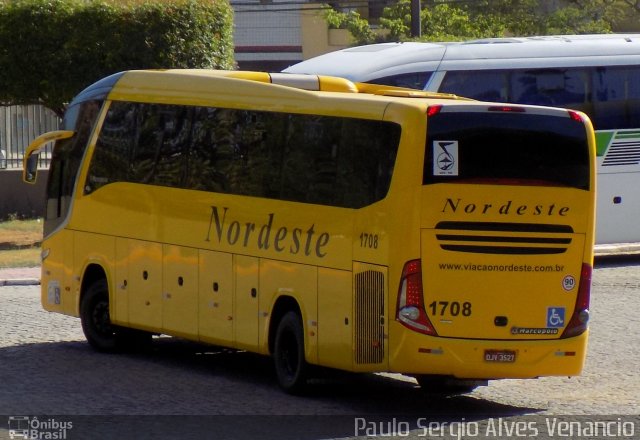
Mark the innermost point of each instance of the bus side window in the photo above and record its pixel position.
(477, 84)
(212, 155)
(316, 159)
(110, 161)
(146, 148)
(366, 160)
(616, 98)
(552, 87)
(175, 133)
(533, 87)
(633, 96)
(333, 161)
(414, 80)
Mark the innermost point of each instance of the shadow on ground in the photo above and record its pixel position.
(613, 261)
(180, 389)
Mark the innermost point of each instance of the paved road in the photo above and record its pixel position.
(183, 390)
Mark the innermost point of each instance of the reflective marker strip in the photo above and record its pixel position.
(483, 107)
(431, 350)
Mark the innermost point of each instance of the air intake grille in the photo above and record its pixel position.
(624, 149)
(369, 317)
(503, 238)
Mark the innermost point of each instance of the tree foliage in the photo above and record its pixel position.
(52, 49)
(353, 22)
(452, 21)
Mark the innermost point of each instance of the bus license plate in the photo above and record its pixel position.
(499, 356)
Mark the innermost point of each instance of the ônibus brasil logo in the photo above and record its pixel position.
(32, 428)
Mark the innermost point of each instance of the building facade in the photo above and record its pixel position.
(272, 35)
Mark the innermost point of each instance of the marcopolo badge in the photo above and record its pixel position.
(445, 158)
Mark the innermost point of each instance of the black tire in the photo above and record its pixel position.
(445, 384)
(97, 327)
(288, 354)
(94, 315)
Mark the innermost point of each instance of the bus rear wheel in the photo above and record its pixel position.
(291, 367)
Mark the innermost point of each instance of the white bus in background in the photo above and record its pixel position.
(597, 74)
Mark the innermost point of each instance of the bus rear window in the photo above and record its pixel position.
(506, 148)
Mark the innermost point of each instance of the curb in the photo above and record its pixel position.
(20, 282)
(617, 249)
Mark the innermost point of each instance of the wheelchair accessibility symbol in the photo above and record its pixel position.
(555, 317)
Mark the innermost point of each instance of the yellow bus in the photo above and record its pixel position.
(323, 222)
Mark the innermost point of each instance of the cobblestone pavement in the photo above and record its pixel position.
(181, 390)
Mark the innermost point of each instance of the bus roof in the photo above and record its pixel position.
(278, 91)
(372, 61)
(191, 85)
(365, 63)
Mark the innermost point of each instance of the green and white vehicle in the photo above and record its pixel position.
(596, 74)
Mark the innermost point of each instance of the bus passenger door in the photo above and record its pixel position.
(144, 285)
(180, 291)
(215, 297)
(245, 319)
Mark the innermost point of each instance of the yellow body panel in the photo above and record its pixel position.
(215, 297)
(245, 317)
(180, 290)
(335, 318)
(144, 290)
(214, 267)
(520, 287)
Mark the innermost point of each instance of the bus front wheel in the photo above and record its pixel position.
(291, 367)
(97, 327)
(94, 316)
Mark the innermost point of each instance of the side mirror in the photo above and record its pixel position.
(31, 171)
(32, 153)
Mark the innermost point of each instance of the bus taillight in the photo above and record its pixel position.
(575, 116)
(506, 108)
(410, 310)
(433, 110)
(580, 318)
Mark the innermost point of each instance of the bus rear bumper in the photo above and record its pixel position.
(488, 359)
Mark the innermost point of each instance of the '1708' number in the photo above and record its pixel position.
(453, 308)
(369, 240)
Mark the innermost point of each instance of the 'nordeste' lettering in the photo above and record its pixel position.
(267, 236)
(508, 207)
